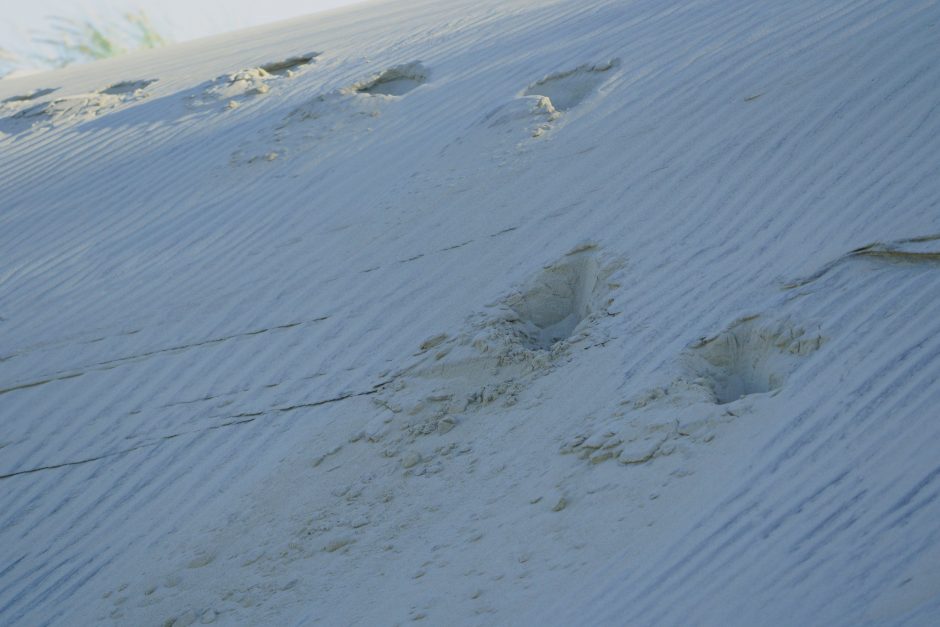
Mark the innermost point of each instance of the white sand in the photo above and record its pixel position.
(488, 313)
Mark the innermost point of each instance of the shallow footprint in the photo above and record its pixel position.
(288, 66)
(127, 87)
(568, 89)
(33, 95)
(250, 82)
(71, 108)
(351, 111)
(395, 81)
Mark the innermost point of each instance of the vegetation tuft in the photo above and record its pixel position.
(67, 41)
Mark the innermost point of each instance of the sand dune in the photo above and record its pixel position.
(479, 313)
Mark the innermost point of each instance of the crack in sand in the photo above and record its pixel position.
(890, 251)
(244, 418)
(113, 363)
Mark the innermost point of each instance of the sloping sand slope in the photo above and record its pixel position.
(486, 313)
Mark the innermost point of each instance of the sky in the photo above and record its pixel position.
(180, 19)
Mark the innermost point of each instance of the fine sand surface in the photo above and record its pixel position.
(576, 312)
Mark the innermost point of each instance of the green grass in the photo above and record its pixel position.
(67, 40)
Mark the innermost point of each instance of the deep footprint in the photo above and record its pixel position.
(563, 295)
(499, 353)
(752, 356)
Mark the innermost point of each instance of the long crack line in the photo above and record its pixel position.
(237, 419)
